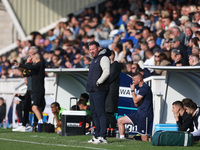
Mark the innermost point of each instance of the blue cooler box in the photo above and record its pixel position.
(166, 127)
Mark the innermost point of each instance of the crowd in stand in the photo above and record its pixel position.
(154, 32)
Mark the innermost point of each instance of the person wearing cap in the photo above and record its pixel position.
(184, 22)
(177, 58)
(176, 44)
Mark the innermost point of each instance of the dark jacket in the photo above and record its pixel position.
(185, 122)
(156, 48)
(111, 103)
(38, 75)
(2, 112)
(95, 72)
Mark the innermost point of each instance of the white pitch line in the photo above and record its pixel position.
(61, 145)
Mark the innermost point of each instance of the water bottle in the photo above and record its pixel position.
(108, 132)
(126, 132)
(4, 124)
(117, 134)
(92, 131)
(112, 132)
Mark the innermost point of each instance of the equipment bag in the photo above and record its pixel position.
(172, 138)
(48, 127)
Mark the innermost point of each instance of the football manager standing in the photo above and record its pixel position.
(97, 86)
(38, 91)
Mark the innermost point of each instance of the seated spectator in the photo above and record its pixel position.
(135, 68)
(2, 109)
(178, 59)
(194, 60)
(119, 55)
(137, 49)
(77, 61)
(161, 60)
(177, 33)
(192, 109)
(86, 61)
(103, 30)
(188, 35)
(152, 46)
(150, 60)
(128, 50)
(128, 68)
(137, 59)
(57, 110)
(176, 44)
(183, 120)
(56, 62)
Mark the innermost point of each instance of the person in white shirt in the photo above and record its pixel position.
(150, 60)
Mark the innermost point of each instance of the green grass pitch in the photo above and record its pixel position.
(51, 141)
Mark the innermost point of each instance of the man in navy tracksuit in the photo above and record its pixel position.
(97, 86)
(142, 98)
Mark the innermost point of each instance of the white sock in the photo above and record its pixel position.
(40, 121)
(122, 137)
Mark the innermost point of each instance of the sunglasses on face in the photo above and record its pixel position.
(157, 56)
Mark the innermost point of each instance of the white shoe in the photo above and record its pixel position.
(100, 140)
(92, 140)
(29, 129)
(20, 129)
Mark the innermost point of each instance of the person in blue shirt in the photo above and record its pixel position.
(142, 98)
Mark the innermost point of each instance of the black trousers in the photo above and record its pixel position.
(111, 120)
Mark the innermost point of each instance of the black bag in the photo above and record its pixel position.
(48, 127)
